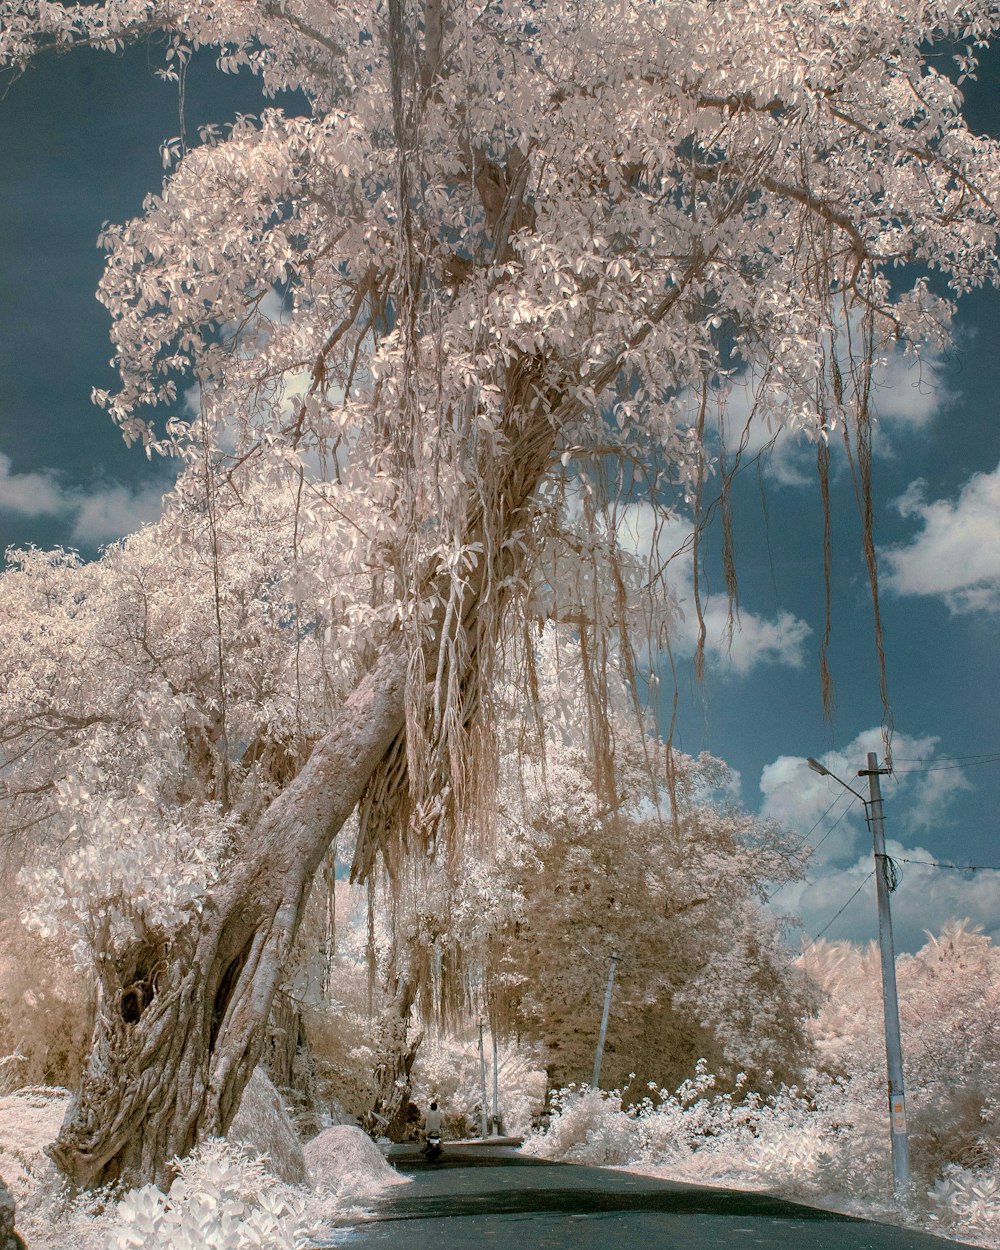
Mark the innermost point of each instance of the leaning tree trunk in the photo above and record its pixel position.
(181, 1028)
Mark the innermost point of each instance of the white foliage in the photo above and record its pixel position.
(966, 1203)
(447, 1070)
(828, 1142)
(222, 1199)
(133, 870)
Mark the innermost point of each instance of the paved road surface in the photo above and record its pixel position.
(481, 1197)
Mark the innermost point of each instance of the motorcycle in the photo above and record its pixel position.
(432, 1147)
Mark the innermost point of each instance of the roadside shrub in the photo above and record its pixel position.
(966, 1204)
(447, 1070)
(223, 1199)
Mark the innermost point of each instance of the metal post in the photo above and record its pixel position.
(482, 1083)
(599, 1057)
(496, 1084)
(890, 1003)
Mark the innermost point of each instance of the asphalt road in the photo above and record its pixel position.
(482, 1196)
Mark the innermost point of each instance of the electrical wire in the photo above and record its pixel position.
(841, 912)
(938, 768)
(807, 836)
(934, 863)
(831, 829)
(804, 841)
(933, 759)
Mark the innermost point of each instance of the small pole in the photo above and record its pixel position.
(599, 1057)
(890, 1002)
(482, 1082)
(496, 1084)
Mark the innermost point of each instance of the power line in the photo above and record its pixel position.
(832, 827)
(807, 836)
(842, 910)
(937, 768)
(804, 840)
(934, 863)
(932, 759)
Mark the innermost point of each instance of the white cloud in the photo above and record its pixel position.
(29, 494)
(111, 511)
(796, 797)
(755, 639)
(99, 515)
(924, 900)
(907, 391)
(956, 554)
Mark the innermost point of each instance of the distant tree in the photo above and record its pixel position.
(508, 245)
(677, 894)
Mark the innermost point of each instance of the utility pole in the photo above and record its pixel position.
(890, 1002)
(496, 1084)
(482, 1082)
(599, 1057)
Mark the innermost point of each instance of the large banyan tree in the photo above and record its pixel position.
(502, 273)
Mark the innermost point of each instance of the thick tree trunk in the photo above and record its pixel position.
(180, 1028)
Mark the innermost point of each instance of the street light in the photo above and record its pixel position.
(890, 1002)
(823, 771)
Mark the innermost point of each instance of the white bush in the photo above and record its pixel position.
(223, 1199)
(821, 1148)
(966, 1203)
(447, 1070)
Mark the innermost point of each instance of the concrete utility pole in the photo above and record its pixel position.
(599, 1057)
(890, 1002)
(496, 1084)
(483, 1129)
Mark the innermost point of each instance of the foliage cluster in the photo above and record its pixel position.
(448, 1071)
(222, 1199)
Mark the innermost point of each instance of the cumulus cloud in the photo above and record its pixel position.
(908, 393)
(796, 797)
(111, 511)
(101, 514)
(755, 639)
(29, 494)
(956, 553)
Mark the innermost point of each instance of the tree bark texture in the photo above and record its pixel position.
(180, 1029)
(397, 1056)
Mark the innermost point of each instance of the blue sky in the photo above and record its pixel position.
(80, 136)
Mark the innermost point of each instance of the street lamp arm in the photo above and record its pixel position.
(823, 771)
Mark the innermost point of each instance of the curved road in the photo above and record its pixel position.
(483, 1196)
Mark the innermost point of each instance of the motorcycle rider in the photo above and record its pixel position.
(432, 1134)
(433, 1121)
